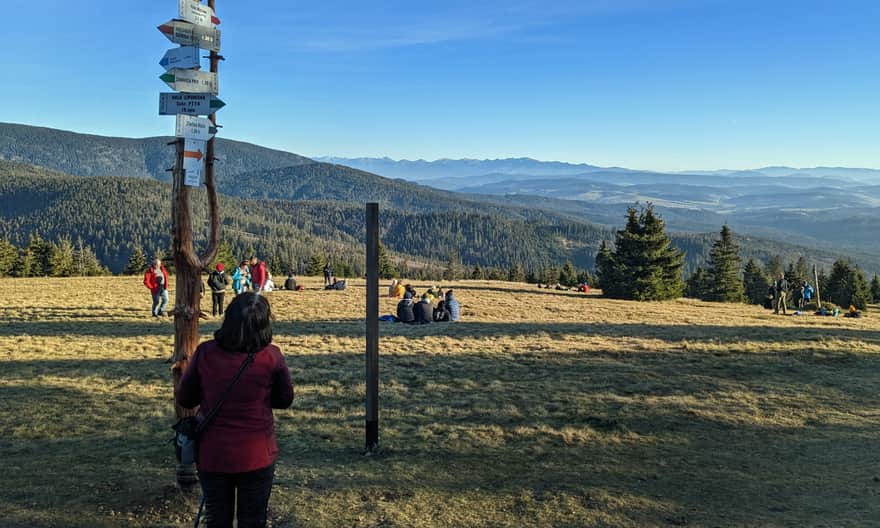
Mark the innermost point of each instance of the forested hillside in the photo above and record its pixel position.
(90, 155)
(115, 215)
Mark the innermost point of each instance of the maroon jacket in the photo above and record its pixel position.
(241, 437)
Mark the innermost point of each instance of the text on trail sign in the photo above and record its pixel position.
(187, 103)
(197, 13)
(189, 34)
(194, 161)
(191, 127)
(191, 81)
(183, 57)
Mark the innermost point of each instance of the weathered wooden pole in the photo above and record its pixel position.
(372, 356)
(818, 295)
(189, 266)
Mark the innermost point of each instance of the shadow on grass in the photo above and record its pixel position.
(585, 426)
(354, 328)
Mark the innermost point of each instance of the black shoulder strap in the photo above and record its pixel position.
(213, 412)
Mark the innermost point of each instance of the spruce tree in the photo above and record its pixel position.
(755, 283)
(8, 258)
(725, 282)
(797, 272)
(568, 275)
(387, 270)
(477, 273)
(453, 266)
(61, 259)
(137, 262)
(847, 286)
(516, 274)
(316, 266)
(225, 255)
(875, 289)
(606, 272)
(774, 267)
(644, 266)
(698, 285)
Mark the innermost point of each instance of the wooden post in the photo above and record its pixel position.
(818, 296)
(372, 356)
(188, 268)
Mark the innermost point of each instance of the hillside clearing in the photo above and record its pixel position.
(542, 408)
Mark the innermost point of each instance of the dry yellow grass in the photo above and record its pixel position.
(540, 409)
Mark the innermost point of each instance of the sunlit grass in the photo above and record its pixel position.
(541, 408)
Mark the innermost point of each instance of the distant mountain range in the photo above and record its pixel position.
(284, 204)
(830, 207)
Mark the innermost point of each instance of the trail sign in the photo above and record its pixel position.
(194, 161)
(191, 127)
(183, 57)
(189, 104)
(197, 13)
(191, 81)
(189, 34)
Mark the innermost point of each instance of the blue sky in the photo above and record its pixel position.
(653, 84)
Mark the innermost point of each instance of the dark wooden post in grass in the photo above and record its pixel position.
(189, 266)
(372, 356)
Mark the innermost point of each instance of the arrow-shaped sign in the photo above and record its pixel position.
(193, 166)
(197, 155)
(197, 13)
(189, 104)
(191, 81)
(189, 34)
(191, 127)
(186, 57)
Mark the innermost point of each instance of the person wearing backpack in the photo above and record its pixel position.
(236, 379)
(217, 281)
(156, 280)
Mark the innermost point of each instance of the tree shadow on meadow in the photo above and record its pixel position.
(481, 423)
(354, 328)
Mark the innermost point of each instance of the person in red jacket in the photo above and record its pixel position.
(238, 449)
(156, 280)
(258, 274)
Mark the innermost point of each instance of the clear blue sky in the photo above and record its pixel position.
(654, 84)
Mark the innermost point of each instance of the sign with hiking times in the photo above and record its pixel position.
(194, 162)
(191, 81)
(191, 127)
(189, 104)
(189, 34)
(197, 13)
(186, 57)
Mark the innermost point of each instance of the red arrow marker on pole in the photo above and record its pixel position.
(190, 154)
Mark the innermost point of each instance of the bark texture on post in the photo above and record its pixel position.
(188, 268)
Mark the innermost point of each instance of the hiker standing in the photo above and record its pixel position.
(218, 282)
(327, 272)
(238, 449)
(258, 274)
(156, 280)
(781, 290)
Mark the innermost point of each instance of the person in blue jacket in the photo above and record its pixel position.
(452, 306)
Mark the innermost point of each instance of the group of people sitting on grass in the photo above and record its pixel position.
(583, 287)
(433, 306)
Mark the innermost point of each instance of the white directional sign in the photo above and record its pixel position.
(189, 104)
(197, 13)
(191, 127)
(191, 81)
(189, 34)
(194, 161)
(183, 57)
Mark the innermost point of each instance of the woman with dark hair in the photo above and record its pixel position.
(238, 449)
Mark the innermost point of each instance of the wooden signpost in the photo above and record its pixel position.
(194, 161)
(372, 355)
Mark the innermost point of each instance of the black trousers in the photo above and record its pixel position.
(253, 490)
(217, 303)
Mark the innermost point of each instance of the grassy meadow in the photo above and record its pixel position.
(541, 408)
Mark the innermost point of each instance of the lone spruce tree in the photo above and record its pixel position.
(725, 265)
(137, 262)
(644, 265)
(875, 289)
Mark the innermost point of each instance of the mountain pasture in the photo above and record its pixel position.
(541, 408)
